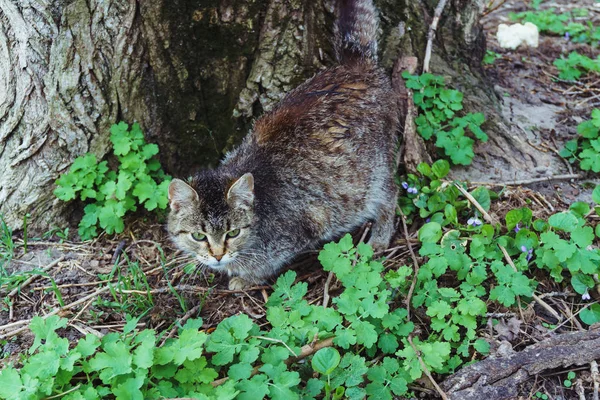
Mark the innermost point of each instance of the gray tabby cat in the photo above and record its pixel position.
(320, 164)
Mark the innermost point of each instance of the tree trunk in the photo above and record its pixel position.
(194, 74)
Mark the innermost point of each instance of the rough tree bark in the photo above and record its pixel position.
(193, 73)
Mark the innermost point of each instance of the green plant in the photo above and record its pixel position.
(61, 234)
(131, 294)
(7, 246)
(138, 180)
(586, 148)
(572, 67)
(561, 23)
(490, 57)
(438, 117)
(368, 346)
(568, 382)
(540, 395)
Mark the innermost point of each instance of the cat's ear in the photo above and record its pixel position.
(181, 194)
(241, 193)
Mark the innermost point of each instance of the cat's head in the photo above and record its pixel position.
(213, 219)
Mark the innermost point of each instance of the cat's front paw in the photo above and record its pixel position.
(237, 283)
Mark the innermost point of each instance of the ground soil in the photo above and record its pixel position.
(538, 107)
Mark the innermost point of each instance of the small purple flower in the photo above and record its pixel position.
(567, 35)
(586, 296)
(529, 252)
(409, 189)
(474, 221)
(517, 228)
(428, 220)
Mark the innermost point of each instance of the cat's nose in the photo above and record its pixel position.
(219, 257)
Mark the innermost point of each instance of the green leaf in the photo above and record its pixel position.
(564, 221)
(388, 343)
(482, 195)
(590, 315)
(365, 333)
(424, 169)
(596, 194)
(581, 283)
(123, 185)
(130, 389)
(482, 346)
(114, 361)
(149, 150)
(431, 232)
(326, 360)
(255, 388)
(440, 168)
(583, 237)
(10, 383)
(64, 193)
(110, 217)
(240, 371)
(87, 346)
(588, 130)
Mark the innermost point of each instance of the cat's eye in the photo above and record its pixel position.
(199, 236)
(233, 233)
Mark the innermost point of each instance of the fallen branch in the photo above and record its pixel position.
(414, 151)
(497, 378)
(595, 379)
(431, 34)
(33, 277)
(415, 263)
(529, 181)
(426, 370)
(56, 311)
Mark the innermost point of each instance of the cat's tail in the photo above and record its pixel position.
(355, 30)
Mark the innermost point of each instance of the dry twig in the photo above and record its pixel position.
(595, 379)
(56, 311)
(431, 34)
(529, 181)
(415, 263)
(426, 370)
(33, 277)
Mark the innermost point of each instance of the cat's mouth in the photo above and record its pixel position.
(215, 264)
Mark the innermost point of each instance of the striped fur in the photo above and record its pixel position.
(318, 165)
(355, 30)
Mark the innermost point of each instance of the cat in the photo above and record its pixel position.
(321, 163)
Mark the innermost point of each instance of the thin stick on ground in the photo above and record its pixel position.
(33, 277)
(537, 298)
(181, 321)
(415, 263)
(426, 370)
(56, 311)
(431, 34)
(595, 378)
(529, 181)
(493, 221)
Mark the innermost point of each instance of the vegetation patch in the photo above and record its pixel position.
(111, 193)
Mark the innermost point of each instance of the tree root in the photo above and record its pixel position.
(497, 378)
(414, 151)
